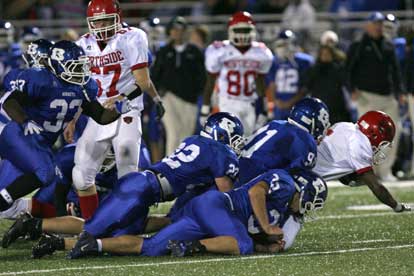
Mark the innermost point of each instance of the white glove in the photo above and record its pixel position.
(31, 127)
(123, 106)
(204, 112)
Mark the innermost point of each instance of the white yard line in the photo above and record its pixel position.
(399, 184)
(379, 214)
(372, 241)
(255, 257)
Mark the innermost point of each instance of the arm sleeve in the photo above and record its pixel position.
(225, 164)
(291, 229)
(137, 49)
(212, 58)
(266, 61)
(101, 115)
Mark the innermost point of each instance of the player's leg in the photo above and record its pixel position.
(127, 143)
(212, 211)
(249, 118)
(171, 123)
(30, 155)
(89, 156)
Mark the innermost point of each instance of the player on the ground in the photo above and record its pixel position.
(239, 66)
(119, 63)
(285, 78)
(43, 102)
(10, 52)
(349, 152)
(289, 145)
(218, 222)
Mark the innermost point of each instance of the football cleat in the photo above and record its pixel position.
(185, 248)
(47, 244)
(25, 224)
(85, 246)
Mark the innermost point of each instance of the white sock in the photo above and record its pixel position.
(99, 241)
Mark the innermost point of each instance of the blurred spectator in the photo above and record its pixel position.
(299, 16)
(69, 34)
(375, 80)
(179, 75)
(199, 36)
(155, 32)
(330, 38)
(70, 9)
(326, 80)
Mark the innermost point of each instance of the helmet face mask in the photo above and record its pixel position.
(69, 63)
(241, 29)
(37, 53)
(104, 26)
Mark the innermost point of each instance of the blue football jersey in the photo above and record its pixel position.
(53, 101)
(10, 81)
(400, 43)
(288, 74)
(281, 190)
(197, 162)
(277, 145)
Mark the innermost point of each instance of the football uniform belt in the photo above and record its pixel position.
(166, 189)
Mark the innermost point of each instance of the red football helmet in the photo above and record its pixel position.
(242, 29)
(380, 130)
(104, 18)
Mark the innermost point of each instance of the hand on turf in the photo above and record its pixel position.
(31, 127)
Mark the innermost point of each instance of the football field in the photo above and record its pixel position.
(353, 235)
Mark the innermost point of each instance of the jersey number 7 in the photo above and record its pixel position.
(116, 69)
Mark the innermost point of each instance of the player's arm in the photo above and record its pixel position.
(100, 114)
(257, 195)
(224, 184)
(13, 105)
(379, 190)
(208, 91)
(260, 85)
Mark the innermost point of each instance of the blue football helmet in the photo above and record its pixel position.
(6, 34)
(312, 115)
(30, 34)
(68, 61)
(313, 192)
(284, 45)
(37, 53)
(225, 128)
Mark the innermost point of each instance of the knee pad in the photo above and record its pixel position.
(127, 158)
(83, 178)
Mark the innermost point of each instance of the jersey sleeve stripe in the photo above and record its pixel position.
(139, 66)
(364, 170)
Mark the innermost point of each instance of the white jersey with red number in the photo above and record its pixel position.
(236, 70)
(112, 66)
(343, 151)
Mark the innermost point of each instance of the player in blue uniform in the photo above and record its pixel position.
(218, 222)
(44, 102)
(207, 159)
(289, 145)
(286, 75)
(390, 31)
(10, 52)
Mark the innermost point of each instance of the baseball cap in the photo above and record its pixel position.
(376, 16)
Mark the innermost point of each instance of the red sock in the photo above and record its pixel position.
(88, 205)
(42, 210)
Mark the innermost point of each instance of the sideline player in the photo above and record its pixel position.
(349, 151)
(119, 63)
(239, 66)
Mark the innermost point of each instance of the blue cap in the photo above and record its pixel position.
(376, 16)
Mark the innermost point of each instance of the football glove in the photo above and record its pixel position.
(402, 207)
(159, 108)
(204, 112)
(123, 106)
(31, 127)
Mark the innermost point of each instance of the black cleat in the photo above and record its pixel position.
(85, 246)
(24, 225)
(185, 248)
(47, 244)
